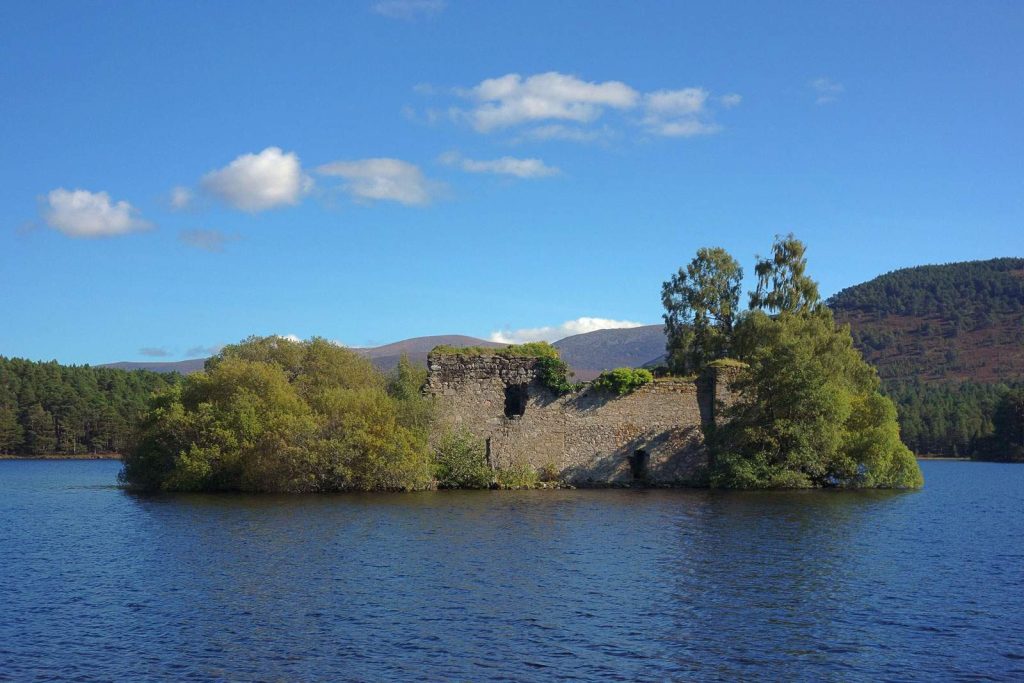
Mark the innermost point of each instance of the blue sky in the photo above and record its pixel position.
(180, 175)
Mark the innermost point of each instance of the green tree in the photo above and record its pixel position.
(274, 415)
(810, 412)
(10, 431)
(1009, 426)
(77, 401)
(782, 283)
(405, 385)
(701, 304)
(39, 432)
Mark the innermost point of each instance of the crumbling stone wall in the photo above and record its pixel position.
(590, 437)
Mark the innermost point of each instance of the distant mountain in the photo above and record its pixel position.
(387, 356)
(591, 353)
(959, 321)
(184, 367)
(587, 354)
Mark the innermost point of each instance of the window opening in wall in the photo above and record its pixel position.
(515, 400)
(638, 464)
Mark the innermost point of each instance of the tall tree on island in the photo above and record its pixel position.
(782, 282)
(701, 305)
(809, 413)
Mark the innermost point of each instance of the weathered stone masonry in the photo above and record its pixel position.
(654, 434)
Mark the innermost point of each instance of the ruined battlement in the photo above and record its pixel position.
(591, 437)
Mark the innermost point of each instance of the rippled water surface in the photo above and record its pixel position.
(96, 584)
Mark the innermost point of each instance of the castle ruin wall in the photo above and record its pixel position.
(590, 437)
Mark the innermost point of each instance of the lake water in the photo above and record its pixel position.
(96, 584)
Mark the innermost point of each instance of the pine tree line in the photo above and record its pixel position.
(48, 408)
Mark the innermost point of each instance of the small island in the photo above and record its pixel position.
(772, 397)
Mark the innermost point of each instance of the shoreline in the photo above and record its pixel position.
(63, 456)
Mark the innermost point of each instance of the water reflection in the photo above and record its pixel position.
(515, 585)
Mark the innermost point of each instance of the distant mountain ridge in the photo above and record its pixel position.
(387, 356)
(959, 321)
(185, 367)
(588, 354)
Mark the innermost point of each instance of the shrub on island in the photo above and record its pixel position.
(460, 461)
(622, 381)
(270, 414)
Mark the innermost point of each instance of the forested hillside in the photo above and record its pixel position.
(960, 321)
(948, 342)
(47, 408)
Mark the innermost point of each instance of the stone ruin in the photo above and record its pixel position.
(652, 436)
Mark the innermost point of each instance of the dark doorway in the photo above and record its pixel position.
(638, 464)
(515, 400)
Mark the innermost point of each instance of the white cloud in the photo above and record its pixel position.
(256, 182)
(564, 107)
(80, 213)
(731, 100)
(408, 10)
(826, 90)
(678, 113)
(384, 180)
(207, 240)
(520, 168)
(558, 131)
(511, 99)
(154, 352)
(181, 198)
(290, 337)
(556, 332)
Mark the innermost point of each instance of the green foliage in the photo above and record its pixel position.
(68, 410)
(727, 363)
(701, 304)
(460, 461)
(1007, 441)
(40, 434)
(782, 283)
(527, 350)
(554, 374)
(810, 412)
(622, 381)
(946, 418)
(405, 385)
(540, 349)
(269, 414)
(518, 476)
(11, 432)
